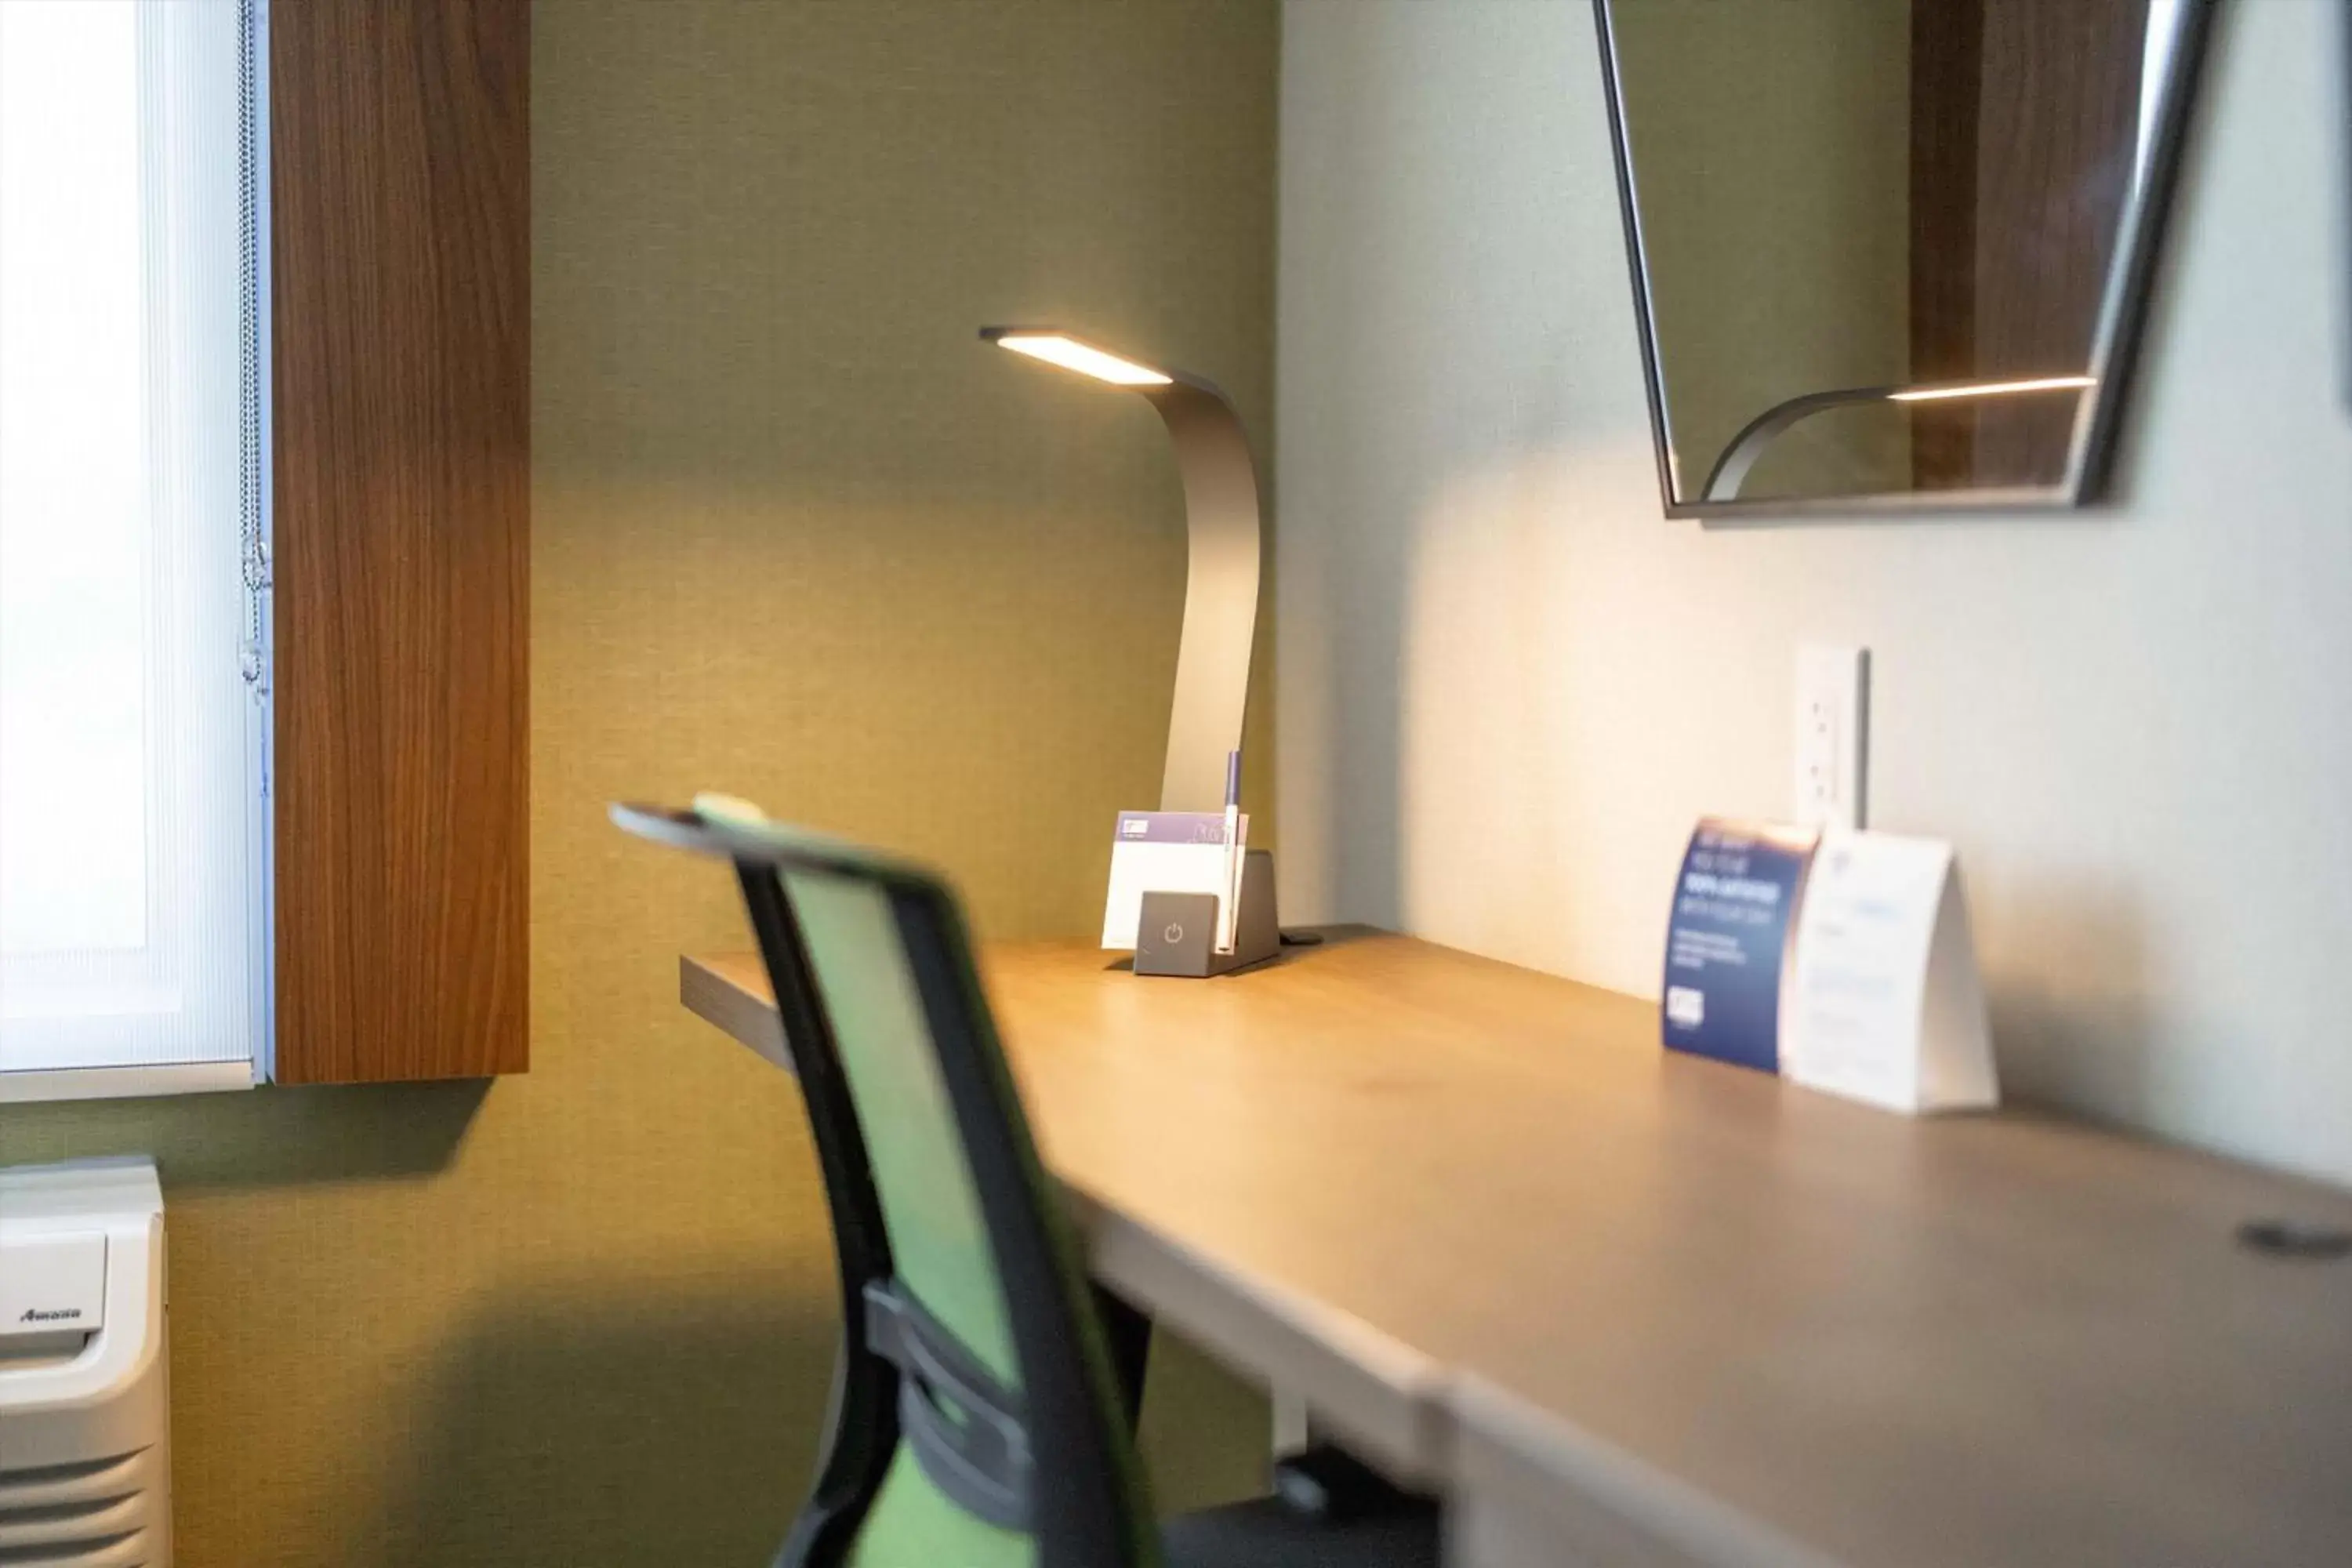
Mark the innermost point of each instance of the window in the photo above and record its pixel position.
(135, 654)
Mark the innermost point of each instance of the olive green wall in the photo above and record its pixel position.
(797, 534)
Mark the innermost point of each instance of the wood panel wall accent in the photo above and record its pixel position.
(399, 141)
(2024, 117)
(1946, 58)
(2060, 130)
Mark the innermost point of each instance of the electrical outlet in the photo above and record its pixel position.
(1833, 737)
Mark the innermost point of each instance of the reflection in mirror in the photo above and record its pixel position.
(1892, 253)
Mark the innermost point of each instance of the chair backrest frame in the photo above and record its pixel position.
(862, 1419)
(1086, 1507)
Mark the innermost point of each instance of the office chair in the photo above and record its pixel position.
(973, 1420)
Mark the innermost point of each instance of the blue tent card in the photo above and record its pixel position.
(1728, 945)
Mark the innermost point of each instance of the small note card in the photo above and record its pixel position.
(1726, 945)
(1885, 1004)
(1169, 852)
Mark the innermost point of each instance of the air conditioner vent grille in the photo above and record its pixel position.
(128, 1549)
(85, 1456)
(75, 1531)
(87, 1481)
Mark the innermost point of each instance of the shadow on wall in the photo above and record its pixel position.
(2057, 1041)
(575, 1428)
(268, 1138)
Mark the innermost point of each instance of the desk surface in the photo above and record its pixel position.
(1389, 1173)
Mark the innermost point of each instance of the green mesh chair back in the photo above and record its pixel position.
(974, 1422)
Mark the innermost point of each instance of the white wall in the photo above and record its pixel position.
(1505, 686)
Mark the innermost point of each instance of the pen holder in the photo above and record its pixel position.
(1177, 933)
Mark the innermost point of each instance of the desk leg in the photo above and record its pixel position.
(1486, 1531)
(1128, 1330)
(1517, 1498)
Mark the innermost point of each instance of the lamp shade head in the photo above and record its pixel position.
(1059, 347)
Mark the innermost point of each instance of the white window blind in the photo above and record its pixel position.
(133, 528)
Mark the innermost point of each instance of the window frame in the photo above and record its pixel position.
(256, 524)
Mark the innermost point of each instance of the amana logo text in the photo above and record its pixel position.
(60, 1315)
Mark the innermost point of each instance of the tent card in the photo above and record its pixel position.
(1727, 943)
(1885, 1004)
(1167, 852)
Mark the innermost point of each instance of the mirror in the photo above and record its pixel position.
(1892, 253)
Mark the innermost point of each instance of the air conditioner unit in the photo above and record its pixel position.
(85, 1408)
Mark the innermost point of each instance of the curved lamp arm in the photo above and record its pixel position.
(1731, 470)
(1222, 556)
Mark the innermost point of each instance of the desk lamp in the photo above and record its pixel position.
(1212, 656)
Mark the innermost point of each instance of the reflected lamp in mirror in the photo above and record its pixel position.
(1892, 255)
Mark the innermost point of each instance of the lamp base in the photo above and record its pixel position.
(1177, 932)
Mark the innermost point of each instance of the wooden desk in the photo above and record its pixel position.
(1638, 1308)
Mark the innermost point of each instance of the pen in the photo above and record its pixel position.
(1231, 913)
